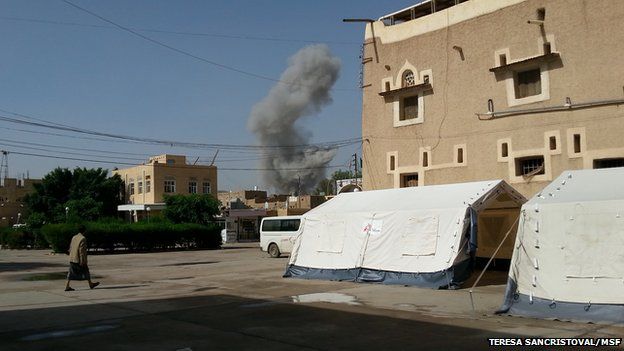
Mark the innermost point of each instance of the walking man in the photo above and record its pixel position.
(78, 268)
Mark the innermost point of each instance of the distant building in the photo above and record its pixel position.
(258, 199)
(305, 202)
(13, 210)
(162, 175)
(244, 210)
(246, 198)
(520, 90)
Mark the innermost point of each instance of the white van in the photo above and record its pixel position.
(277, 234)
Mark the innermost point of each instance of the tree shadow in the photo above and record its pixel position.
(24, 266)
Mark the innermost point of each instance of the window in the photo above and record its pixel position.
(271, 226)
(609, 162)
(577, 143)
(170, 186)
(528, 83)
(460, 155)
(409, 108)
(387, 86)
(281, 225)
(504, 150)
(148, 185)
(206, 187)
(409, 180)
(425, 159)
(408, 79)
(140, 186)
(192, 187)
(290, 225)
(392, 163)
(530, 166)
(131, 187)
(502, 59)
(553, 142)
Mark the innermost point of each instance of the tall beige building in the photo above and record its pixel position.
(520, 90)
(162, 175)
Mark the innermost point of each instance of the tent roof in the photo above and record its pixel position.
(583, 185)
(422, 197)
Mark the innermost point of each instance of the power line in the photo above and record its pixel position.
(258, 153)
(45, 124)
(169, 166)
(183, 52)
(193, 34)
(72, 153)
(17, 143)
(75, 148)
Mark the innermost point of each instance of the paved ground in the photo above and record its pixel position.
(235, 298)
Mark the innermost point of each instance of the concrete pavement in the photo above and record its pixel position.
(235, 298)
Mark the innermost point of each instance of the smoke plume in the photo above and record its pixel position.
(304, 89)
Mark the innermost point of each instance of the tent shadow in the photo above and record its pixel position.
(229, 322)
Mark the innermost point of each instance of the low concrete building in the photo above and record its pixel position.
(147, 184)
(249, 198)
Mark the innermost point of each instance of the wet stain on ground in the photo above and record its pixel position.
(45, 276)
(49, 276)
(188, 264)
(179, 278)
(121, 286)
(69, 332)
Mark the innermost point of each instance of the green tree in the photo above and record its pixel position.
(325, 187)
(340, 174)
(81, 194)
(194, 208)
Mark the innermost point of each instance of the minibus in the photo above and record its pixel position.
(277, 234)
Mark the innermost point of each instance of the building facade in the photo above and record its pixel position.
(162, 175)
(13, 210)
(520, 90)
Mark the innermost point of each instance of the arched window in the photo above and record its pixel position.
(408, 79)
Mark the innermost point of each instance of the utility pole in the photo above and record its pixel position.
(4, 167)
(355, 162)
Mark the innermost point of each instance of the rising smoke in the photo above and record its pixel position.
(303, 90)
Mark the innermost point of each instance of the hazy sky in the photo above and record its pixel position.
(63, 65)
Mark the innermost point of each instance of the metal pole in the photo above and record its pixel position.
(488, 263)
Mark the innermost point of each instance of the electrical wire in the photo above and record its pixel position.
(46, 124)
(186, 53)
(192, 34)
(170, 166)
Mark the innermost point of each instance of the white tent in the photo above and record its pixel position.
(422, 236)
(568, 261)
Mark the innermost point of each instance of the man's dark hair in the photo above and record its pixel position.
(82, 229)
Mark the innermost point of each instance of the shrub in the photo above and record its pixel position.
(22, 238)
(142, 236)
(59, 235)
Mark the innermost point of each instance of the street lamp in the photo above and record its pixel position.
(66, 214)
(19, 215)
(148, 213)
